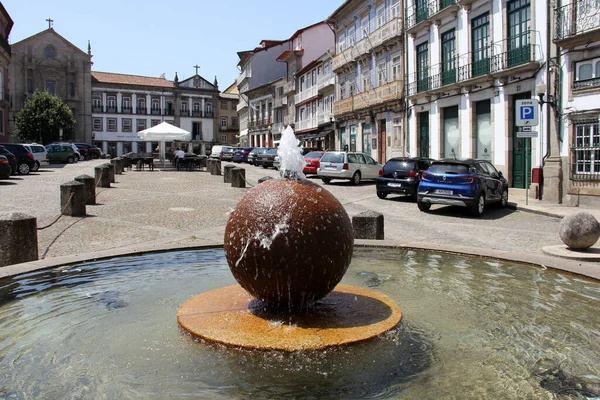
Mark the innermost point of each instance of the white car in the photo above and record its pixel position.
(348, 165)
(39, 153)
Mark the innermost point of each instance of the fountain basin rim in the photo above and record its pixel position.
(576, 267)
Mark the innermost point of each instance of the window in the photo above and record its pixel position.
(364, 26)
(223, 122)
(422, 67)
(223, 104)
(395, 9)
(342, 42)
(154, 122)
(155, 104)
(519, 47)
(234, 122)
(381, 73)
(448, 57)
(97, 103)
(196, 107)
(396, 71)
(380, 16)
(141, 124)
(351, 36)
(126, 103)
(422, 10)
(50, 51)
(223, 138)
(111, 103)
(587, 74)
(586, 150)
(480, 46)
(184, 106)
(98, 125)
(111, 124)
(141, 106)
(29, 85)
(208, 108)
(126, 124)
(72, 89)
(51, 87)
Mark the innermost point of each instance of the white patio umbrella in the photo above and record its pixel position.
(163, 132)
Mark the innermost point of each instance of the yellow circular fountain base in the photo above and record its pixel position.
(230, 315)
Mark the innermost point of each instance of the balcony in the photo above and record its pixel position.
(289, 86)
(344, 57)
(388, 32)
(196, 113)
(280, 101)
(97, 109)
(586, 84)
(208, 114)
(244, 75)
(306, 94)
(324, 116)
(325, 81)
(111, 109)
(577, 23)
(379, 95)
(343, 106)
(277, 127)
(184, 113)
(126, 110)
(241, 105)
(306, 124)
(141, 110)
(155, 111)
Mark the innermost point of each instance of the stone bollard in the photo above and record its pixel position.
(89, 189)
(18, 238)
(118, 163)
(102, 176)
(368, 225)
(211, 166)
(126, 163)
(203, 160)
(217, 167)
(238, 177)
(111, 172)
(264, 178)
(579, 231)
(227, 173)
(72, 199)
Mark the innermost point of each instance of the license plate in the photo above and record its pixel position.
(330, 167)
(397, 185)
(443, 191)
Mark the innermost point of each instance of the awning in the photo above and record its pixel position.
(324, 134)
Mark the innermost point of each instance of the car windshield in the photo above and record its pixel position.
(271, 151)
(447, 168)
(314, 154)
(333, 157)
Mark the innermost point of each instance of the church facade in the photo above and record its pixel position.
(48, 61)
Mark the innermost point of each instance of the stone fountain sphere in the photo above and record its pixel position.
(580, 230)
(288, 243)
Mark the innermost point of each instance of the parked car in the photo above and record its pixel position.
(39, 154)
(63, 153)
(25, 159)
(5, 168)
(226, 153)
(345, 165)
(12, 160)
(73, 146)
(254, 153)
(467, 183)
(92, 152)
(313, 162)
(241, 154)
(215, 152)
(267, 158)
(401, 175)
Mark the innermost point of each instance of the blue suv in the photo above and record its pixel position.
(467, 183)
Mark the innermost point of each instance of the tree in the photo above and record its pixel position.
(41, 118)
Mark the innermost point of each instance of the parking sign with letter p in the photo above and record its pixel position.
(527, 113)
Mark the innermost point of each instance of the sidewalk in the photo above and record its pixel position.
(519, 201)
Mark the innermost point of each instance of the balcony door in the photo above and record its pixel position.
(422, 67)
(480, 34)
(448, 57)
(519, 45)
(424, 134)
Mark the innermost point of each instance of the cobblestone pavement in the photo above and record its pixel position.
(166, 207)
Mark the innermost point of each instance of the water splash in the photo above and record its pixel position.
(292, 161)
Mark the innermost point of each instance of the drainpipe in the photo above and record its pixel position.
(548, 114)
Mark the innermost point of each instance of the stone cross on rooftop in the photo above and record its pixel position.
(50, 21)
(197, 68)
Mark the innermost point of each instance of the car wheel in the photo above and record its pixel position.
(70, 160)
(479, 205)
(35, 167)
(504, 199)
(381, 195)
(326, 180)
(23, 168)
(423, 206)
(81, 157)
(356, 178)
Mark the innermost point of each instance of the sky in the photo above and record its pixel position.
(153, 37)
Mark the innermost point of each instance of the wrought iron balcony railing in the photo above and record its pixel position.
(586, 84)
(579, 17)
(422, 11)
(141, 110)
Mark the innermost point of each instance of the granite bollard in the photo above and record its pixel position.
(217, 167)
(227, 173)
(203, 162)
(89, 188)
(211, 166)
(118, 163)
(238, 177)
(111, 172)
(368, 225)
(102, 176)
(72, 199)
(18, 238)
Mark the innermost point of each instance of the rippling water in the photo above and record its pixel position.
(472, 329)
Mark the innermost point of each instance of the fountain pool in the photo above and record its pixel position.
(472, 328)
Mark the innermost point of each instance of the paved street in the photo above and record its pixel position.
(191, 208)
